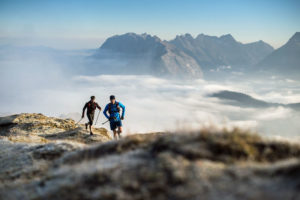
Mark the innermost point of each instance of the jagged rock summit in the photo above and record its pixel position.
(200, 165)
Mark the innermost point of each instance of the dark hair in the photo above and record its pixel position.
(93, 97)
(112, 97)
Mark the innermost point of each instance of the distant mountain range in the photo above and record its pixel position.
(184, 56)
(146, 54)
(212, 51)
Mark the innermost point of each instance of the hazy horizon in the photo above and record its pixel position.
(92, 43)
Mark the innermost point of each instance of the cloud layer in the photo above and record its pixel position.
(48, 86)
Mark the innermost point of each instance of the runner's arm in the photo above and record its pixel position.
(123, 109)
(105, 111)
(98, 107)
(83, 110)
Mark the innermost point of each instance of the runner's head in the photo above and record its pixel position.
(112, 99)
(93, 98)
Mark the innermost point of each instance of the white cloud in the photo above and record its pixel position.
(152, 104)
(274, 113)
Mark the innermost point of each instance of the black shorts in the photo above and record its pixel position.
(90, 116)
(115, 124)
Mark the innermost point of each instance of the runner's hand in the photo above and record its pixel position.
(122, 118)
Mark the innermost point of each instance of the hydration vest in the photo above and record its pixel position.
(91, 107)
(110, 107)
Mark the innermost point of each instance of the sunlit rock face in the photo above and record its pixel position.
(199, 165)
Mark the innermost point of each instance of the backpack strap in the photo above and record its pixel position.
(110, 107)
(91, 106)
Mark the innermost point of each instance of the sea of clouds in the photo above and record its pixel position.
(42, 85)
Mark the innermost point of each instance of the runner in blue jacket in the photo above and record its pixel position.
(113, 108)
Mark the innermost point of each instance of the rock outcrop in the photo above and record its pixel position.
(200, 165)
(30, 142)
(37, 128)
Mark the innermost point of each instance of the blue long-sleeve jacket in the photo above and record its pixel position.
(114, 111)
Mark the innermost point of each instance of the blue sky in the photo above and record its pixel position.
(86, 24)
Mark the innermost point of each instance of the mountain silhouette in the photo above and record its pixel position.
(284, 60)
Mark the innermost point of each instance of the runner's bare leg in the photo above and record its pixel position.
(119, 131)
(115, 134)
(90, 128)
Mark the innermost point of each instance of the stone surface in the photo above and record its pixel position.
(201, 165)
(37, 128)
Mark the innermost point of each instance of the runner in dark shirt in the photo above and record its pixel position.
(91, 106)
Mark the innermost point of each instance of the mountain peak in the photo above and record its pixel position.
(188, 35)
(284, 60)
(262, 43)
(295, 37)
(131, 42)
(135, 35)
(202, 37)
(185, 36)
(227, 37)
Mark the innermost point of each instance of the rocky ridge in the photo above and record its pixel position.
(200, 165)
